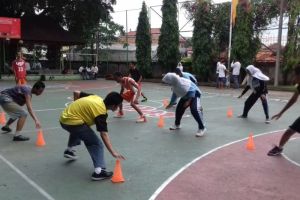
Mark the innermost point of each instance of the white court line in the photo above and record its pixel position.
(27, 179)
(290, 160)
(171, 178)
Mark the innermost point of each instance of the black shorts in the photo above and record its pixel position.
(296, 125)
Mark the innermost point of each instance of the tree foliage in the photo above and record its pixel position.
(168, 49)
(292, 50)
(80, 17)
(202, 39)
(143, 43)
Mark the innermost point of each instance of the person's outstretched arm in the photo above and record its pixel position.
(31, 112)
(292, 100)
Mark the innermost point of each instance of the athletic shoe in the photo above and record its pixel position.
(275, 151)
(20, 138)
(103, 175)
(119, 115)
(144, 100)
(70, 154)
(267, 121)
(6, 129)
(175, 127)
(242, 116)
(200, 132)
(141, 119)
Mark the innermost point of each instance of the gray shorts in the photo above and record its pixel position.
(14, 110)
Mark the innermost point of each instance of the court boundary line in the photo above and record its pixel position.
(27, 179)
(289, 159)
(172, 177)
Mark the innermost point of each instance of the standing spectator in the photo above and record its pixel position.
(190, 97)
(222, 75)
(295, 127)
(12, 100)
(217, 74)
(130, 95)
(136, 75)
(236, 67)
(257, 82)
(77, 118)
(19, 69)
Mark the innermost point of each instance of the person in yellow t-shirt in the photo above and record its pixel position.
(85, 111)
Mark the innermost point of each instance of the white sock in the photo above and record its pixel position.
(17, 133)
(98, 170)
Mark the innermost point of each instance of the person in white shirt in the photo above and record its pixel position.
(217, 74)
(89, 72)
(82, 72)
(95, 72)
(236, 67)
(222, 78)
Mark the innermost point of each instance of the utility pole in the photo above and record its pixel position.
(278, 45)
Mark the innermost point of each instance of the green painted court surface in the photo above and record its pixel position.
(152, 154)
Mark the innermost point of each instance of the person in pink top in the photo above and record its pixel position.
(130, 91)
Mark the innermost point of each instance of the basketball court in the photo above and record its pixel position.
(159, 164)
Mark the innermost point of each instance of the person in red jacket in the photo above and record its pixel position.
(19, 69)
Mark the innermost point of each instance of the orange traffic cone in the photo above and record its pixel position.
(118, 176)
(165, 102)
(40, 142)
(250, 144)
(229, 112)
(161, 121)
(2, 119)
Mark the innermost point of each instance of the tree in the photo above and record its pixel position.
(250, 23)
(292, 51)
(168, 43)
(80, 17)
(202, 39)
(143, 43)
(221, 22)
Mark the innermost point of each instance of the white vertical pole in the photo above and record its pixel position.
(278, 45)
(230, 37)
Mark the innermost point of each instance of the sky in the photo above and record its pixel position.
(133, 9)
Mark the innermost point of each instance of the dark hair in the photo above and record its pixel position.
(39, 85)
(118, 74)
(297, 69)
(113, 99)
(178, 71)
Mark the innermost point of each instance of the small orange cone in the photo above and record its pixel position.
(2, 119)
(165, 102)
(40, 142)
(161, 121)
(229, 112)
(118, 176)
(250, 144)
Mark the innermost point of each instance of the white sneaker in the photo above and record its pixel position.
(141, 119)
(200, 132)
(267, 121)
(175, 127)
